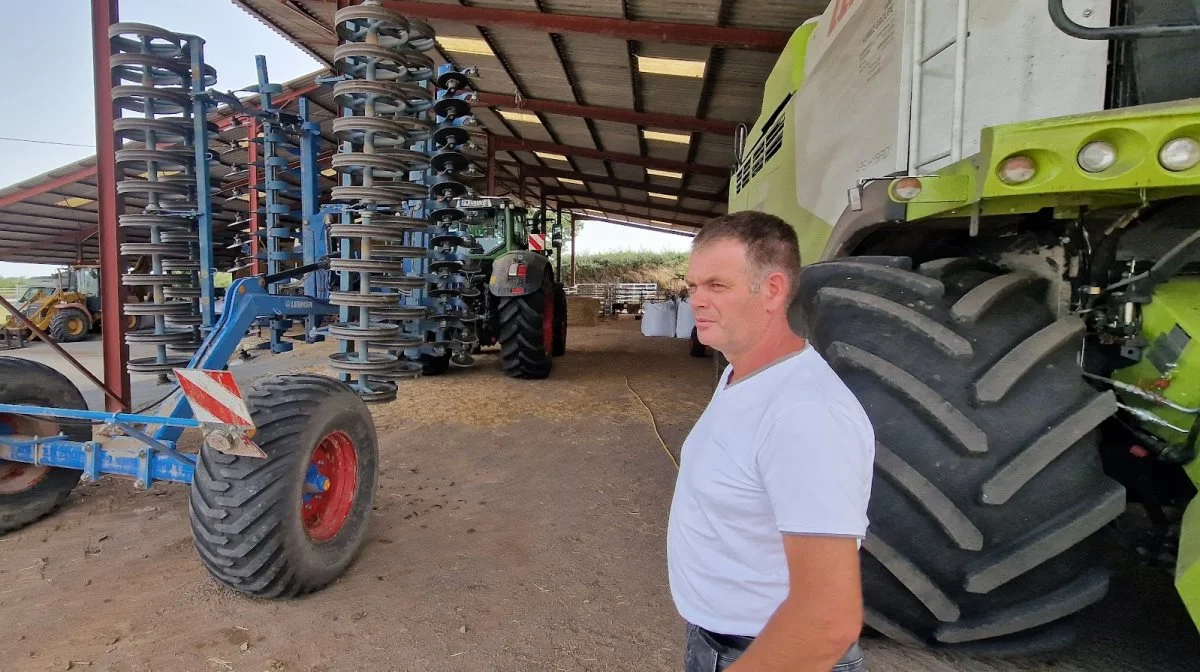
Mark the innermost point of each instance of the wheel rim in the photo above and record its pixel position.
(329, 486)
(75, 326)
(20, 476)
(548, 324)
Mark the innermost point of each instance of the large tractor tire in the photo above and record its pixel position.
(28, 492)
(69, 325)
(527, 333)
(695, 347)
(988, 483)
(435, 365)
(293, 522)
(560, 321)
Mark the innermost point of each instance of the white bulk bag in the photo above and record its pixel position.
(685, 320)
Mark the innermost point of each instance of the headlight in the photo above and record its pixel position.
(1017, 170)
(1097, 157)
(906, 188)
(1179, 155)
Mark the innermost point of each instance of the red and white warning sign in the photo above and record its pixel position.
(537, 242)
(215, 397)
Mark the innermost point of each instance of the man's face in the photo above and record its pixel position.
(730, 317)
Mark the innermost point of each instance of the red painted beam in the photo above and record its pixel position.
(505, 143)
(540, 171)
(651, 31)
(51, 185)
(626, 116)
(112, 298)
(656, 204)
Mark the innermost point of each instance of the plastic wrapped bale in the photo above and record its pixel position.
(583, 311)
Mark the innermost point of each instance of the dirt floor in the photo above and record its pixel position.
(519, 526)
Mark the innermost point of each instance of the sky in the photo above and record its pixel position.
(45, 49)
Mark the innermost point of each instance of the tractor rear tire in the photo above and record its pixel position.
(435, 365)
(69, 325)
(988, 484)
(524, 332)
(697, 349)
(255, 527)
(560, 321)
(28, 492)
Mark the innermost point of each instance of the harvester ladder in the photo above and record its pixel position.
(920, 62)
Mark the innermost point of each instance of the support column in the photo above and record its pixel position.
(112, 297)
(252, 131)
(573, 283)
(491, 167)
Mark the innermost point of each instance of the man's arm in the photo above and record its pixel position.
(822, 615)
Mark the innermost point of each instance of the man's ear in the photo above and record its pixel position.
(777, 290)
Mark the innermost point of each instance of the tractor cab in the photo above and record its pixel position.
(500, 224)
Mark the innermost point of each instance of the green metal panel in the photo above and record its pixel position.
(1175, 309)
(1175, 305)
(772, 189)
(1137, 133)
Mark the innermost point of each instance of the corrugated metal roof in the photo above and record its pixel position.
(578, 67)
(598, 70)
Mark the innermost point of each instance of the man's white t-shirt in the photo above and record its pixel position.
(788, 449)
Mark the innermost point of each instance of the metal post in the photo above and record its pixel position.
(491, 167)
(313, 238)
(521, 186)
(112, 298)
(203, 186)
(558, 250)
(252, 130)
(573, 283)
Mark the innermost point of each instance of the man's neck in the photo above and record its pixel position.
(775, 345)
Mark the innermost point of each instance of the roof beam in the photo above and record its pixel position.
(506, 143)
(647, 227)
(620, 115)
(650, 31)
(538, 171)
(49, 185)
(567, 193)
(566, 205)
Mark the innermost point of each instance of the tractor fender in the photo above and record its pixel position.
(503, 284)
(63, 305)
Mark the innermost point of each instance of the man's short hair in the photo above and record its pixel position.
(771, 244)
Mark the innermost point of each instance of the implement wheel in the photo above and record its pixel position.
(29, 492)
(293, 522)
(988, 482)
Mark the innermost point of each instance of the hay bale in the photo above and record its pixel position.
(583, 311)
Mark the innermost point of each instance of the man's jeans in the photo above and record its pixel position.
(703, 653)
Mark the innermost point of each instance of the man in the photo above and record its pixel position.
(770, 505)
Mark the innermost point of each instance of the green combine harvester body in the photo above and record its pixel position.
(1093, 210)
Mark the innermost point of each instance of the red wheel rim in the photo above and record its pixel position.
(329, 486)
(20, 476)
(548, 323)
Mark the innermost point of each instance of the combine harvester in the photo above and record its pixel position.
(1002, 198)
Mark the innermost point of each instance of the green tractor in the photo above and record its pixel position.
(999, 217)
(522, 307)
